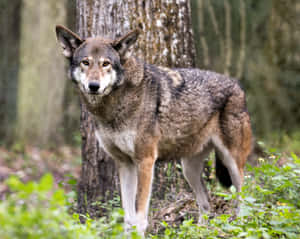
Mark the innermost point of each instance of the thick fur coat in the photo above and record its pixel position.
(145, 112)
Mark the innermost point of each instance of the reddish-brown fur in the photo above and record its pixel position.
(145, 112)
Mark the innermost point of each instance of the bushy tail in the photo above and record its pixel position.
(222, 172)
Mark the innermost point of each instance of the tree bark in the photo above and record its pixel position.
(166, 39)
(10, 12)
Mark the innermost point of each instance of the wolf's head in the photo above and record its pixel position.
(95, 63)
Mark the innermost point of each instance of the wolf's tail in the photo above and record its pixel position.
(222, 172)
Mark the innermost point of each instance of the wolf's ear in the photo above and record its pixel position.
(68, 40)
(123, 43)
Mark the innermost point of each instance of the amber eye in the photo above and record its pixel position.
(105, 63)
(85, 63)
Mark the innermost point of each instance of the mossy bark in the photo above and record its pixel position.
(166, 39)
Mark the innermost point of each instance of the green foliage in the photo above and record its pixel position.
(270, 208)
(271, 205)
(36, 210)
(286, 142)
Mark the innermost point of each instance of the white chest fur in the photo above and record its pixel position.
(123, 140)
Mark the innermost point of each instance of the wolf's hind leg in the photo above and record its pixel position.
(234, 142)
(229, 162)
(192, 170)
(233, 157)
(235, 136)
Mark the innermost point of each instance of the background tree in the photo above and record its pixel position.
(255, 41)
(10, 12)
(166, 40)
(42, 70)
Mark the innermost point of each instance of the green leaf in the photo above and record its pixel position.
(46, 183)
(250, 199)
(58, 198)
(245, 211)
(14, 183)
(72, 181)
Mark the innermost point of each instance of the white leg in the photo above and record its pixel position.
(229, 163)
(128, 181)
(192, 170)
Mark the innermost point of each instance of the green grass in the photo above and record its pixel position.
(270, 208)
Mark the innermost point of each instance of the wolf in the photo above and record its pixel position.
(146, 112)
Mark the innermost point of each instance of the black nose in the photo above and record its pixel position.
(94, 86)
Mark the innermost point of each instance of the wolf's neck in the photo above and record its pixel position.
(117, 108)
(134, 70)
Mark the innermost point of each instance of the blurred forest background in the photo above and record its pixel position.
(254, 41)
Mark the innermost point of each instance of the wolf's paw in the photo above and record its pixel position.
(138, 222)
(204, 217)
(203, 220)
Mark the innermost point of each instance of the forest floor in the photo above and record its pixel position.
(31, 163)
(64, 163)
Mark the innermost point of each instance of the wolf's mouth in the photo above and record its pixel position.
(99, 93)
(93, 93)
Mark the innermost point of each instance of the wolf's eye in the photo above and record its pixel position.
(105, 63)
(85, 63)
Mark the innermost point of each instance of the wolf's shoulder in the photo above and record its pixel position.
(189, 75)
(185, 81)
(196, 75)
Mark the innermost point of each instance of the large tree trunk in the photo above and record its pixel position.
(9, 66)
(166, 40)
(42, 70)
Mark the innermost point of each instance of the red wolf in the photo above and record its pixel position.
(145, 112)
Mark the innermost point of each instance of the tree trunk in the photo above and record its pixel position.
(9, 66)
(167, 40)
(42, 73)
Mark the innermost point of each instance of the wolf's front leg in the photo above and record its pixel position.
(145, 176)
(128, 181)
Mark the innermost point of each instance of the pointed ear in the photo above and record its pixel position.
(68, 40)
(123, 43)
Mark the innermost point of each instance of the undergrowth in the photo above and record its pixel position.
(270, 208)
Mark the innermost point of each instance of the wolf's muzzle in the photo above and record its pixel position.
(94, 86)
